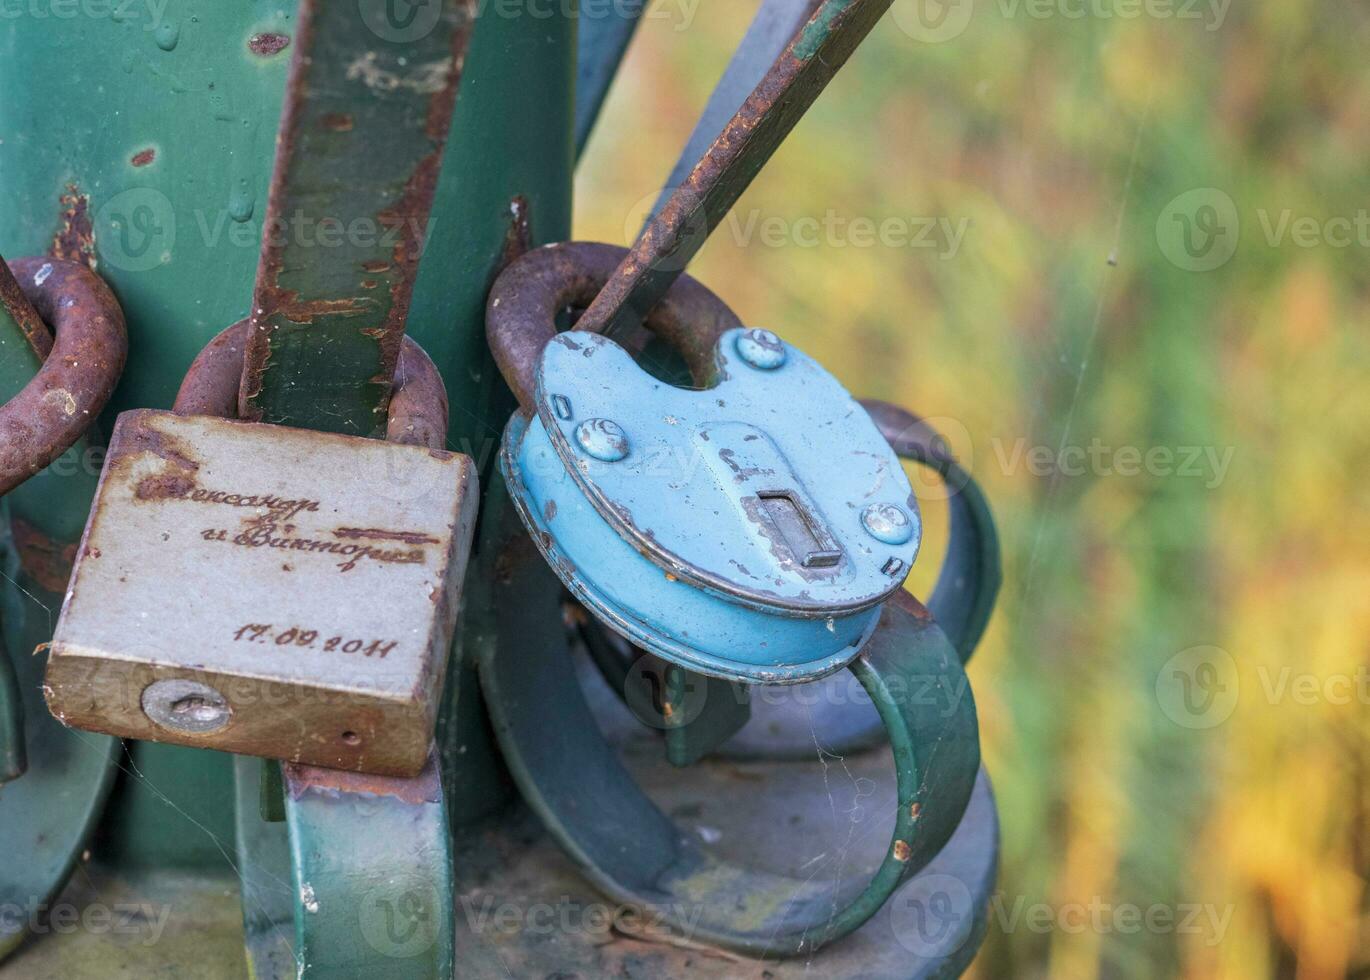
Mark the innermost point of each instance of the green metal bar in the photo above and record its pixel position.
(603, 40)
(755, 132)
(367, 112)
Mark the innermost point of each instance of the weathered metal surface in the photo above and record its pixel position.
(209, 105)
(48, 814)
(368, 109)
(604, 32)
(528, 297)
(14, 757)
(639, 857)
(51, 412)
(189, 926)
(773, 576)
(345, 558)
(770, 33)
(24, 336)
(695, 208)
(417, 415)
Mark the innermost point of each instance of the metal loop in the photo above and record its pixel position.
(526, 299)
(418, 405)
(70, 390)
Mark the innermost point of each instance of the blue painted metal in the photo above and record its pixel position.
(729, 540)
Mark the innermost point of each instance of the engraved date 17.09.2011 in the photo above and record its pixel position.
(294, 636)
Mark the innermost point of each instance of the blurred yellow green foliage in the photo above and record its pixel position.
(1119, 250)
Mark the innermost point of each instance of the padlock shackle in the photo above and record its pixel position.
(521, 313)
(71, 388)
(418, 404)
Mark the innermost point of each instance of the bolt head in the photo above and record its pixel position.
(887, 523)
(761, 349)
(186, 706)
(602, 439)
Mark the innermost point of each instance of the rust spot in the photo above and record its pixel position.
(268, 44)
(370, 283)
(549, 512)
(75, 237)
(426, 787)
(47, 561)
(163, 487)
(135, 435)
(375, 265)
(915, 810)
(143, 157)
(902, 851)
(339, 122)
(518, 237)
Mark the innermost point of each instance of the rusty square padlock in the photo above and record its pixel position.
(266, 591)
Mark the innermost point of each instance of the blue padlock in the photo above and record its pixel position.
(748, 529)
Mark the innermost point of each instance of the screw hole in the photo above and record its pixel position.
(351, 738)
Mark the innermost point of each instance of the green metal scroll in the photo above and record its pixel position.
(575, 782)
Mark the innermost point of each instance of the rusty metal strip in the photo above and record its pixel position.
(770, 33)
(46, 418)
(695, 208)
(366, 120)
